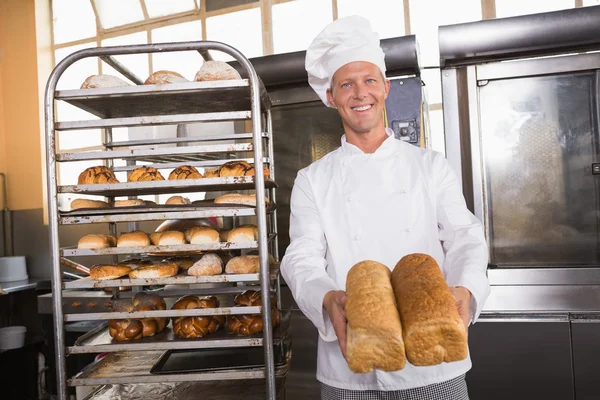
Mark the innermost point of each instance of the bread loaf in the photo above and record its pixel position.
(178, 200)
(432, 329)
(134, 329)
(85, 203)
(243, 233)
(250, 172)
(133, 239)
(163, 76)
(234, 168)
(216, 71)
(97, 174)
(154, 238)
(170, 238)
(185, 172)
(130, 203)
(198, 326)
(374, 334)
(161, 270)
(236, 198)
(103, 272)
(103, 81)
(246, 264)
(97, 241)
(209, 264)
(144, 174)
(248, 324)
(201, 234)
(183, 263)
(211, 173)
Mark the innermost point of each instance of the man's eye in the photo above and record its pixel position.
(345, 85)
(370, 80)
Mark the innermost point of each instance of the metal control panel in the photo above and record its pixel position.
(403, 109)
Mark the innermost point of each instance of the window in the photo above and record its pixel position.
(388, 23)
(187, 63)
(126, 12)
(72, 20)
(160, 8)
(511, 8)
(296, 23)
(136, 63)
(591, 3)
(241, 30)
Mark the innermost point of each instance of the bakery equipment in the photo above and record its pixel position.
(13, 269)
(12, 337)
(150, 105)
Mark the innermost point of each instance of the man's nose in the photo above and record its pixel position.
(360, 91)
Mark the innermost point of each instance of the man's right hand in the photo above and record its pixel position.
(335, 305)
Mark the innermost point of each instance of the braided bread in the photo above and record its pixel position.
(248, 324)
(134, 329)
(197, 326)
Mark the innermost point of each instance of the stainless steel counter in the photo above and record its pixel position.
(17, 286)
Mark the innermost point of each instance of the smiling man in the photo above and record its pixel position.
(375, 198)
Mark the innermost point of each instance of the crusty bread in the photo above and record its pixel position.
(97, 241)
(102, 272)
(103, 81)
(201, 234)
(216, 71)
(209, 264)
(196, 326)
(183, 263)
(237, 198)
(133, 239)
(248, 324)
(171, 238)
(250, 172)
(161, 270)
(133, 329)
(178, 200)
(234, 168)
(150, 203)
(374, 334)
(163, 76)
(433, 331)
(130, 203)
(97, 174)
(85, 203)
(211, 173)
(154, 238)
(246, 264)
(243, 233)
(144, 174)
(185, 172)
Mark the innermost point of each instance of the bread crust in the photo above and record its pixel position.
(97, 174)
(178, 200)
(85, 203)
(246, 264)
(164, 77)
(197, 326)
(161, 270)
(103, 81)
(433, 331)
(144, 174)
(183, 262)
(374, 332)
(103, 272)
(201, 234)
(134, 329)
(185, 172)
(216, 71)
(97, 241)
(130, 203)
(171, 238)
(243, 233)
(210, 264)
(237, 198)
(133, 239)
(248, 324)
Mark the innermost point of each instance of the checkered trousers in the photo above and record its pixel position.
(454, 389)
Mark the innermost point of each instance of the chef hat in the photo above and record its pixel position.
(343, 41)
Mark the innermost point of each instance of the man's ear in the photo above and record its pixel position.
(387, 88)
(330, 97)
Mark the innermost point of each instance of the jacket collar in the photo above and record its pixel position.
(349, 149)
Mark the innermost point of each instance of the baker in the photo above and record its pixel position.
(375, 198)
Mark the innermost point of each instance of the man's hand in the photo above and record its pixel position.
(335, 305)
(463, 299)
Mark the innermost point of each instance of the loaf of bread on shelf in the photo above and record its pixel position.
(103, 81)
(160, 270)
(164, 76)
(145, 174)
(185, 172)
(433, 331)
(103, 272)
(210, 264)
(246, 264)
(374, 334)
(196, 326)
(216, 71)
(133, 239)
(97, 241)
(150, 203)
(130, 203)
(211, 173)
(237, 198)
(234, 168)
(97, 174)
(250, 171)
(134, 263)
(133, 329)
(171, 238)
(243, 233)
(201, 234)
(183, 262)
(154, 237)
(248, 324)
(178, 200)
(79, 204)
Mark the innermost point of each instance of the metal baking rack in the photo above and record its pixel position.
(167, 104)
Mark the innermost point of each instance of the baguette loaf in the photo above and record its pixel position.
(433, 331)
(374, 333)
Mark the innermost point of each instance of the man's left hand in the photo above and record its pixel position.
(463, 299)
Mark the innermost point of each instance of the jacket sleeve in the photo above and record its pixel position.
(304, 266)
(462, 237)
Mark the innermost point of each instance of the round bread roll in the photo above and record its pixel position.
(103, 81)
(170, 238)
(216, 71)
(185, 172)
(250, 171)
(234, 168)
(97, 174)
(211, 173)
(161, 270)
(78, 204)
(246, 264)
(155, 237)
(201, 234)
(246, 325)
(144, 174)
(133, 239)
(197, 326)
(237, 198)
(134, 263)
(103, 272)
(164, 76)
(209, 264)
(97, 241)
(183, 263)
(243, 233)
(178, 200)
(134, 329)
(130, 203)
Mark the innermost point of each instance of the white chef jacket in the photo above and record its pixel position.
(350, 206)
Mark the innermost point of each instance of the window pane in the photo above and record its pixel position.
(424, 23)
(295, 24)
(72, 20)
(433, 85)
(116, 13)
(387, 24)
(241, 30)
(187, 63)
(159, 8)
(136, 63)
(511, 8)
(591, 3)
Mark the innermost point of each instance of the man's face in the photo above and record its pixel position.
(359, 93)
